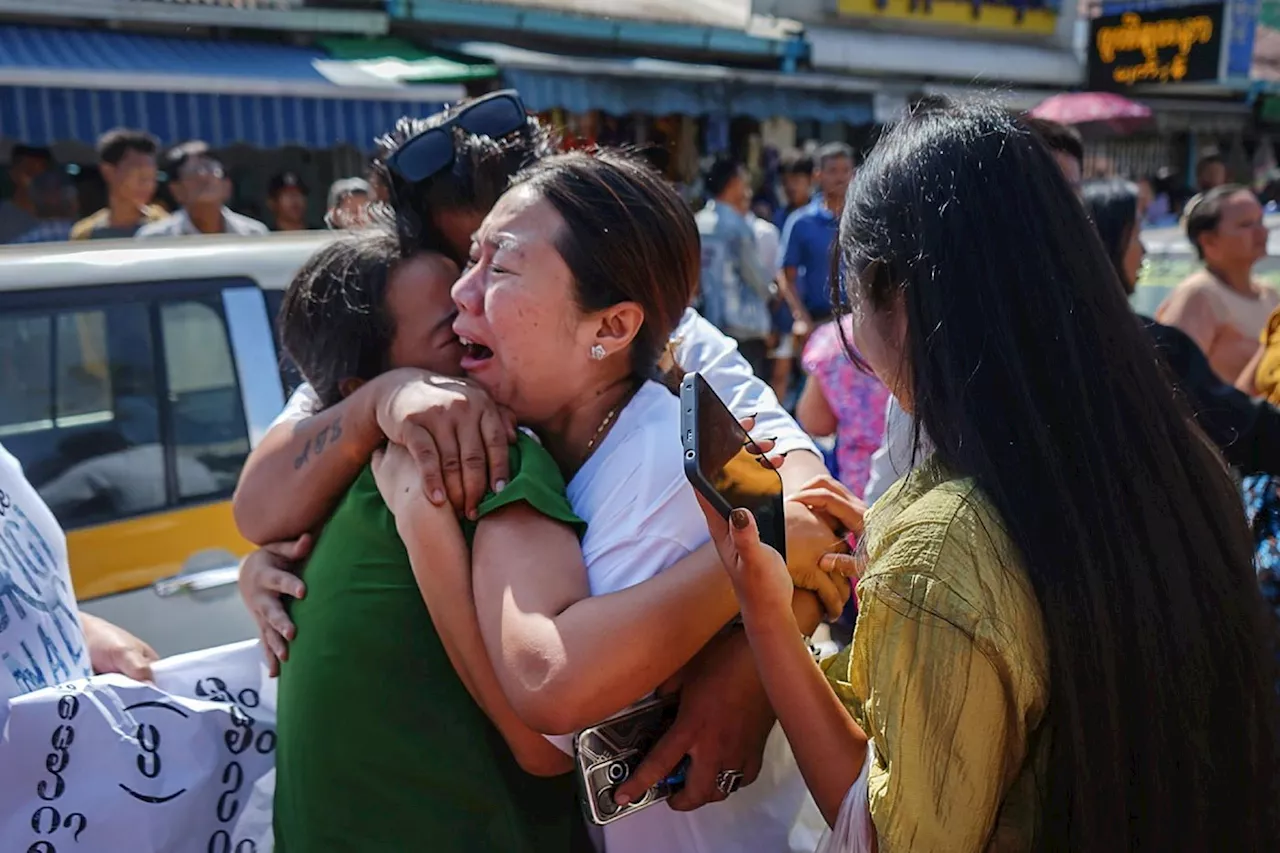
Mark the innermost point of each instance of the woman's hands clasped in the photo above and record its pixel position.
(270, 575)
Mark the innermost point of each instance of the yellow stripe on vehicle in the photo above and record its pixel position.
(127, 555)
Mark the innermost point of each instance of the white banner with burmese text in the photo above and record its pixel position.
(109, 764)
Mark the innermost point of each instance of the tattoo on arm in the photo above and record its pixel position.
(326, 436)
(304, 457)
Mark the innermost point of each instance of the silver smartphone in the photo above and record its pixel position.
(608, 752)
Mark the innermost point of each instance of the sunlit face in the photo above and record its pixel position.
(202, 181)
(422, 315)
(880, 337)
(798, 188)
(133, 178)
(834, 176)
(289, 206)
(526, 341)
(1240, 239)
(352, 211)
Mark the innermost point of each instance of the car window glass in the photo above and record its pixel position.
(90, 394)
(83, 369)
(26, 374)
(77, 389)
(206, 411)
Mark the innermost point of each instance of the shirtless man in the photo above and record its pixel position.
(1222, 307)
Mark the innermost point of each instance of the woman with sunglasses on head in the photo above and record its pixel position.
(422, 741)
(575, 282)
(1060, 642)
(440, 197)
(724, 718)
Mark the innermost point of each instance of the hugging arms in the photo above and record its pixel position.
(459, 440)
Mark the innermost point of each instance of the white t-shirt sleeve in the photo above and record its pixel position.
(302, 404)
(768, 244)
(892, 461)
(705, 349)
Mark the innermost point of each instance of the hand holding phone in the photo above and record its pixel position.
(609, 752)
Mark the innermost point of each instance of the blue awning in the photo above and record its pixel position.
(620, 96)
(44, 115)
(61, 84)
(658, 87)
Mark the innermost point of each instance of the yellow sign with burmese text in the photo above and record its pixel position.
(1181, 44)
(1038, 17)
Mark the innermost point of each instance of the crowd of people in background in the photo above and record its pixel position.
(1062, 560)
(766, 278)
(44, 204)
(1057, 639)
(146, 184)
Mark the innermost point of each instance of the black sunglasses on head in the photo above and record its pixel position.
(429, 153)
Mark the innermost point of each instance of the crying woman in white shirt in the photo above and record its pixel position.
(576, 281)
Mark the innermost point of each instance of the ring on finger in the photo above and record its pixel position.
(728, 781)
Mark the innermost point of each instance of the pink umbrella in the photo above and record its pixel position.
(1098, 111)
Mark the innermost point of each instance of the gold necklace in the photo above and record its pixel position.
(604, 424)
(608, 419)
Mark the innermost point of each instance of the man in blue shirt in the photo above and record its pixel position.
(735, 290)
(807, 240)
(796, 171)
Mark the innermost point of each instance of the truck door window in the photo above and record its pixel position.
(206, 413)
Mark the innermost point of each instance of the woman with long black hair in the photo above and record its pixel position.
(1114, 205)
(1060, 643)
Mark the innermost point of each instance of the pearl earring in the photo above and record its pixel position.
(597, 352)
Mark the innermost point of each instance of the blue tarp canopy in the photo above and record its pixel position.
(61, 84)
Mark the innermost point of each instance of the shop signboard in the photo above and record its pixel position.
(1169, 45)
(1035, 17)
(1240, 46)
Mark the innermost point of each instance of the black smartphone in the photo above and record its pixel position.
(722, 468)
